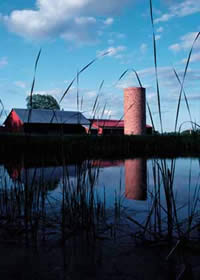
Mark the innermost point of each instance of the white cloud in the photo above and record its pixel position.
(186, 42)
(157, 37)
(20, 84)
(143, 48)
(195, 57)
(160, 29)
(116, 36)
(108, 21)
(169, 85)
(181, 9)
(3, 62)
(57, 93)
(164, 17)
(68, 19)
(175, 47)
(113, 51)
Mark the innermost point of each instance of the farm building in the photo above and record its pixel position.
(46, 121)
(107, 127)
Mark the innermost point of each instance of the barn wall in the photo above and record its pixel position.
(41, 128)
(113, 131)
(13, 123)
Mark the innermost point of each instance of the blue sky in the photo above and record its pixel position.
(73, 32)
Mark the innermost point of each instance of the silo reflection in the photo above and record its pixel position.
(136, 179)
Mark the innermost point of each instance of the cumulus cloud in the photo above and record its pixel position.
(3, 62)
(186, 42)
(180, 9)
(68, 19)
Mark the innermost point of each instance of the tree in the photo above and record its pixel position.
(40, 101)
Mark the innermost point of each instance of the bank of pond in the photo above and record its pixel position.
(90, 146)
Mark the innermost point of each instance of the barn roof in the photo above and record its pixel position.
(110, 123)
(51, 116)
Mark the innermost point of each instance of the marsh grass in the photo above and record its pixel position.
(29, 212)
(164, 221)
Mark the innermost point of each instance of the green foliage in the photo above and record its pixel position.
(40, 101)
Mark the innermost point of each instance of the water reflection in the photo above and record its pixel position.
(136, 179)
(135, 175)
(49, 176)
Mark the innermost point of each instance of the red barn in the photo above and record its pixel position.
(107, 127)
(44, 121)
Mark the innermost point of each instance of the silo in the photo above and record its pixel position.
(134, 111)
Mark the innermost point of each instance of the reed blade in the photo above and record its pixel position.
(185, 71)
(33, 83)
(37, 59)
(81, 71)
(137, 76)
(122, 75)
(31, 93)
(81, 103)
(101, 86)
(68, 88)
(77, 90)
(179, 101)
(85, 67)
(151, 117)
(95, 103)
(189, 56)
(103, 111)
(156, 66)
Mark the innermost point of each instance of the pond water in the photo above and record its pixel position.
(157, 198)
(166, 190)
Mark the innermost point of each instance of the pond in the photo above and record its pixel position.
(158, 197)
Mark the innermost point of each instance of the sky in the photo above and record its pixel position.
(72, 33)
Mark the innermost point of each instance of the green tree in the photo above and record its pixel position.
(40, 101)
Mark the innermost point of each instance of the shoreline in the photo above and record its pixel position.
(87, 147)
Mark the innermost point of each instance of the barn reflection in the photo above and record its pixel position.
(135, 174)
(49, 176)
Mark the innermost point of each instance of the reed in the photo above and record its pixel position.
(164, 221)
(156, 67)
(29, 212)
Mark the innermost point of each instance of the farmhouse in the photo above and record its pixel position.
(114, 127)
(46, 121)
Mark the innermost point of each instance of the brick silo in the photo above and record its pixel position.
(134, 111)
(136, 179)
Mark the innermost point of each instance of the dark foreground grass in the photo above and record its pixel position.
(81, 147)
